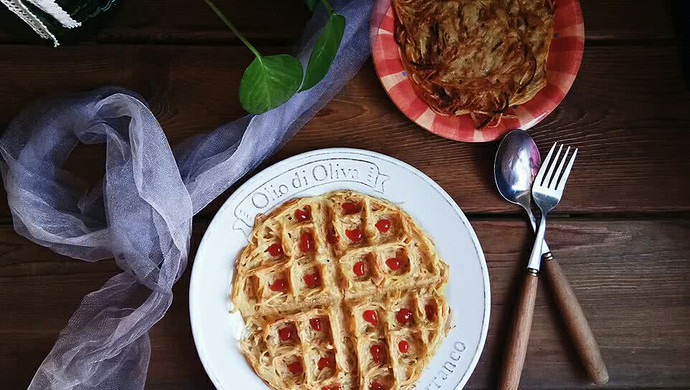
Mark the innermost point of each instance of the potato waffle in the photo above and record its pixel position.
(340, 291)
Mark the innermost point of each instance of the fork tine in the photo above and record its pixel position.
(554, 180)
(544, 164)
(549, 175)
(561, 183)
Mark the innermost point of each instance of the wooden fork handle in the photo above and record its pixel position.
(519, 336)
(575, 321)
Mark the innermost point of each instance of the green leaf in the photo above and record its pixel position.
(269, 82)
(311, 4)
(324, 51)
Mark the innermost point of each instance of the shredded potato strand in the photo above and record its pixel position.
(282, 344)
(475, 56)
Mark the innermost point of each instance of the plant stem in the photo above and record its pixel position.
(328, 6)
(234, 29)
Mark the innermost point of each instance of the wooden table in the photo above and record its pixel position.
(621, 233)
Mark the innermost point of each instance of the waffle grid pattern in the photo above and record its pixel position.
(338, 292)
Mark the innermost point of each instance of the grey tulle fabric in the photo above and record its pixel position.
(142, 213)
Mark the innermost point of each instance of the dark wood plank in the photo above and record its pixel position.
(39, 291)
(627, 111)
(628, 117)
(630, 277)
(265, 20)
(621, 19)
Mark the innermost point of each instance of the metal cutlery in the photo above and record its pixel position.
(517, 163)
(547, 191)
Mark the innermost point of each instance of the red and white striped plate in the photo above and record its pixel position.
(562, 65)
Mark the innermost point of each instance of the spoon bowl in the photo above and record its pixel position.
(516, 165)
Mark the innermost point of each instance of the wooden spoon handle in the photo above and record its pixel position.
(519, 336)
(575, 321)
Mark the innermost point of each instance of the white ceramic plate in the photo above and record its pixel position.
(217, 331)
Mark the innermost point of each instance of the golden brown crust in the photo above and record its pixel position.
(474, 56)
(340, 297)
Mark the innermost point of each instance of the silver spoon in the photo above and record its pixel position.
(517, 163)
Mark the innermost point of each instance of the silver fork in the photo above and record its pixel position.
(547, 191)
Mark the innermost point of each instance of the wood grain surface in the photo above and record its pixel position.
(620, 233)
(184, 21)
(627, 112)
(575, 321)
(630, 275)
(519, 334)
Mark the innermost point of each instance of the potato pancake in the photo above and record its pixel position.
(476, 57)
